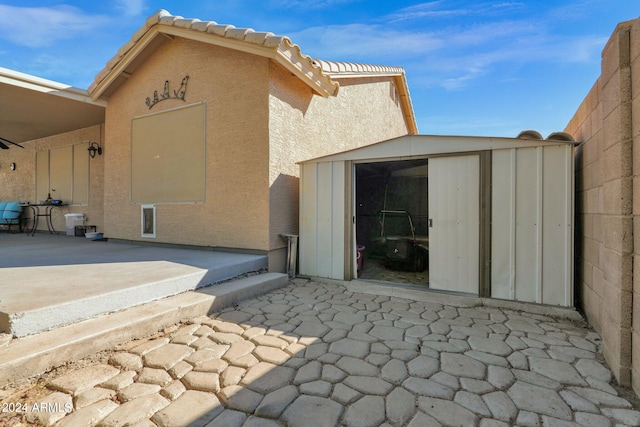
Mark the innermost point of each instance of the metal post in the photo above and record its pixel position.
(292, 254)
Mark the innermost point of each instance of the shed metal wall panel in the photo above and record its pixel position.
(338, 210)
(324, 215)
(322, 226)
(555, 227)
(454, 204)
(502, 224)
(526, 224)
(531, 233)
(308, 209)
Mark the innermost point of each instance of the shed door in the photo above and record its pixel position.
(454, 204)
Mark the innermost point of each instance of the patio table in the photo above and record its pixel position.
(46, 212)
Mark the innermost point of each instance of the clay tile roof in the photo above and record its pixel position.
(281, 49)
(315, 73)
(529, 134)
(343, 69)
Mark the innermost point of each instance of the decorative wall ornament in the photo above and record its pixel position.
(166, 93)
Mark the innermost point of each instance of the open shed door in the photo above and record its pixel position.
(454, 211)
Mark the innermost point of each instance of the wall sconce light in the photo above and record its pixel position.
(12, 166)
(94, 148)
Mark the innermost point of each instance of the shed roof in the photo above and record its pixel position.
(317, 74)
(408, 146)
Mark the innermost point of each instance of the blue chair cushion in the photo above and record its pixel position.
(12, 210)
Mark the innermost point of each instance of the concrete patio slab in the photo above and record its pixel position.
(48, 281)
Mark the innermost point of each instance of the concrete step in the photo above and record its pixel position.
(56, 295)
(35, 354)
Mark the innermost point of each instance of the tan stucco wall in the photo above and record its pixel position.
(21, 183)
(304, 126)
(608, 203)
(261, 120)
(235, 87)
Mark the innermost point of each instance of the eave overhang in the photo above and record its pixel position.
(163, 26)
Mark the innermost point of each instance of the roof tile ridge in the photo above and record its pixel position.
(163, 17)
(156, 17)
(185, 23)
(265, 38)
(238, 33)
(219, 29)
(341, 67)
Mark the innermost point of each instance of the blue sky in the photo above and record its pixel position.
(488, 68)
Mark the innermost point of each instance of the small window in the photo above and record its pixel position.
(148, 217)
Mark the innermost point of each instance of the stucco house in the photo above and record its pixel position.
(199, 126)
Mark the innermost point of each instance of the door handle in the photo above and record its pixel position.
(430, 222)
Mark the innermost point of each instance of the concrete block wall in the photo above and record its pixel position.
(607, 213)
(634, 133)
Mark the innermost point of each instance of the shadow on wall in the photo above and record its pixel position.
(283, 209)
(291, 90)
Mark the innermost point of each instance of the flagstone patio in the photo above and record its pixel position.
(328, 354)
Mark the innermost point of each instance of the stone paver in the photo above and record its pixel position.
(266, 377)
(240, 398)
(203, 381)
(75, 382)
(315, 354)
(447, 412)
(192, 408)
(271, 355)
(343, 394)
(153, 376)
(148, 346)
(462, 365)
(276, 402)
(89, 415)
(50, 409)
(127, 361)
(327, 412)
(366, 412)
(173, 390)
(135, 410)
(167, 356)
(137, 390)
(400, 406)
(120, 381)
(93, 395)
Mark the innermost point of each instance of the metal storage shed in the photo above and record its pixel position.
(479, 215)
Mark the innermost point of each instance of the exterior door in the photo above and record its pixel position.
(454, 212)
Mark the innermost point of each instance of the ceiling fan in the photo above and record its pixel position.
(5, 146)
